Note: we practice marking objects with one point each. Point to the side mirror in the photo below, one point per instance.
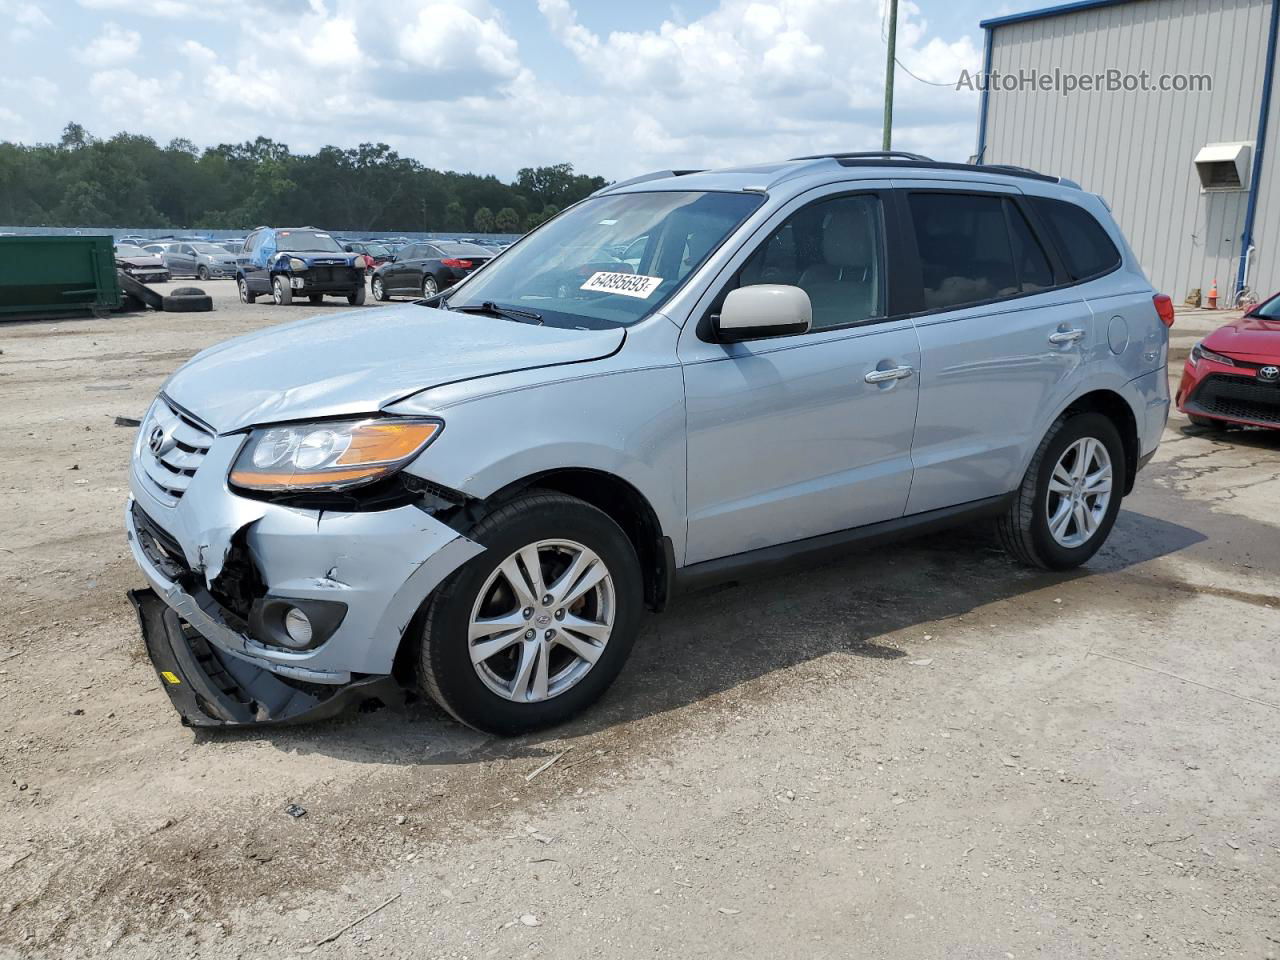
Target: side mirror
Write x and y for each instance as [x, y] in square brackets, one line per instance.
[763, 310]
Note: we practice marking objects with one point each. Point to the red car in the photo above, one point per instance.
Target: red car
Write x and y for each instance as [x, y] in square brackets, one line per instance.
[1233, 375]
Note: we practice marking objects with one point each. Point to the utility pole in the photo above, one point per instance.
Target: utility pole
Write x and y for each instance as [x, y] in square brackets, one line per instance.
[888, 76]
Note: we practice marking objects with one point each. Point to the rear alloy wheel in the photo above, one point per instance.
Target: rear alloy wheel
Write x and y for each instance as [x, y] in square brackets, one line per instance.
[1069, 498]
[246, 295]
[429, 287]
[281, 292]
[536, 627]
[379, 291]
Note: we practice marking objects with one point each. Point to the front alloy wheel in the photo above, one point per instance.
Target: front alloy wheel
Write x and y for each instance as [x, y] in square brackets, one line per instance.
[1079, 492]
[379, 291]
[245, 296]
[534, 629]
[542, 620]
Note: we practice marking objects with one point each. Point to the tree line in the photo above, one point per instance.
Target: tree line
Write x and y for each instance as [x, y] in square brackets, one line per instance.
[129, 180]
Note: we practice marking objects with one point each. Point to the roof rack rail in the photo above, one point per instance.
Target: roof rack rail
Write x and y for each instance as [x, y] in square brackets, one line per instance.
[643, 178]
[868, 155]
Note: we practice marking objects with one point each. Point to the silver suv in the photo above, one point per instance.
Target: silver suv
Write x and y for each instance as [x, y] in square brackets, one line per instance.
[682, 378]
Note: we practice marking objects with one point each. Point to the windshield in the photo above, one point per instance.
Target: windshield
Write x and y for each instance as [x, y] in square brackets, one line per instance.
[299, 241]
[463, 249]
[376, 250]
[566, 271]
[1268, 309]
[128, 250]
[208, 248]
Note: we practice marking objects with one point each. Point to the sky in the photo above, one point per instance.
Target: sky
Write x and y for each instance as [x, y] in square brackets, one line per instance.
[489, 86]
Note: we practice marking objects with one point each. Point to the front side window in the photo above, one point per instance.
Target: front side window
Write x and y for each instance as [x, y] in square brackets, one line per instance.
[569, 272]
[1085, 248]
[833, 251]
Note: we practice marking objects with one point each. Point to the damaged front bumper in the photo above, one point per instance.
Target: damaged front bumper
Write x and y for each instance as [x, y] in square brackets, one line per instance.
[210, 688]
[215, 560]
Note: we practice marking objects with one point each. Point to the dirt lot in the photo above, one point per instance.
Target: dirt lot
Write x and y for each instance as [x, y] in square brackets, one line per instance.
[921, 752]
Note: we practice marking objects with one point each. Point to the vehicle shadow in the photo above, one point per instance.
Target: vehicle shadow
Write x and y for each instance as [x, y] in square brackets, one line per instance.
[712, 641]
[1256, 438]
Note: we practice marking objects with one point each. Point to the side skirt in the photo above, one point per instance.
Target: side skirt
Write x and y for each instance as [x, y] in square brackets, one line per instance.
[787, 556]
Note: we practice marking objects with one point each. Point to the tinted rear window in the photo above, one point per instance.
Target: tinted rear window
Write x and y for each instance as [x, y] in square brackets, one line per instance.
[965, 254]
[464, 250]
[1085, 248]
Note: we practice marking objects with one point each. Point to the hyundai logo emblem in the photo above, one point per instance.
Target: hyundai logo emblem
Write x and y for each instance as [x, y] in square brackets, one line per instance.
[1270, 374]
[543, 620]
[156, 442]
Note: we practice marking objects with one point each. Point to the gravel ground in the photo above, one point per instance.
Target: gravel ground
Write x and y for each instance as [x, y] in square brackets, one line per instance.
[923, 751]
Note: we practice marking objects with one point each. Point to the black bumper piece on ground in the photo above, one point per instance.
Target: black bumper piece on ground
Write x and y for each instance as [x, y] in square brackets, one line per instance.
[212, 689]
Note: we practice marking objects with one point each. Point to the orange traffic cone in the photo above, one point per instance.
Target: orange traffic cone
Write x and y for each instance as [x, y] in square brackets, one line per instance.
[1213, 295]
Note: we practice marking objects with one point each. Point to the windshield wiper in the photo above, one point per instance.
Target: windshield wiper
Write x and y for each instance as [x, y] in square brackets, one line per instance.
[495, 310]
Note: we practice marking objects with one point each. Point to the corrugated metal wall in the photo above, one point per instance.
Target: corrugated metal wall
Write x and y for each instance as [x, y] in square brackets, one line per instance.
[1136, 149]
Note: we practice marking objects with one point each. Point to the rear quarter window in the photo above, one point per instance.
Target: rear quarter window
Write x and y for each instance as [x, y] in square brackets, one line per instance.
[1083, 244]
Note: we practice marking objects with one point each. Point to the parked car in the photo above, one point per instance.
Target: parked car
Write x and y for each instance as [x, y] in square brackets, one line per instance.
[298, 261]
[142, 266]
[233, 245]
[424, 269]
[201, 259]
[1232, 376]
[377, 253]
[480, 494]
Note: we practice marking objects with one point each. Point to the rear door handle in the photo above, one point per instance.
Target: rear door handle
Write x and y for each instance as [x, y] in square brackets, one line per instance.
[893, 373]
[1065, 336]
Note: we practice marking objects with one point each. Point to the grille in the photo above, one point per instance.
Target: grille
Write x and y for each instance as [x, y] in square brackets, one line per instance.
[332, 275]
[1239, 398]
[183, 442]
[164, 552]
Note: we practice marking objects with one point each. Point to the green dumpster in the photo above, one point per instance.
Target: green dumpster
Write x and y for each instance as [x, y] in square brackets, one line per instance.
[46, 276]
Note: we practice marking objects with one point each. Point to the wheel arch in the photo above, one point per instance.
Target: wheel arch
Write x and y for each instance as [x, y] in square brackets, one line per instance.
[625, 505]
[1117, 409]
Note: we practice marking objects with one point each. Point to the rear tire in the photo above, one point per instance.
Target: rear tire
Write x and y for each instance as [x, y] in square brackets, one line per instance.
[429, 287]
[1025, 530]
[504, 692]
[281, 292]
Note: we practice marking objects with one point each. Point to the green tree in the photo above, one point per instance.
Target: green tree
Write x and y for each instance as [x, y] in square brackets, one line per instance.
[483, 220]
[455, 216]
[507, 221]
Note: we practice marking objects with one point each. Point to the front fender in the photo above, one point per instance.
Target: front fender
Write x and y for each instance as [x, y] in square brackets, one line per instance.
[629, 423]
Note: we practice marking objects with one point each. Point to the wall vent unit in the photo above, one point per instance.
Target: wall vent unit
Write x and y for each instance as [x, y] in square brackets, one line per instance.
[1224, 166]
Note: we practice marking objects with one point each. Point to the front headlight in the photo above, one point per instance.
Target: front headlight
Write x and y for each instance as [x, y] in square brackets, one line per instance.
[296, 265]
[330, 456]
[1198, 353]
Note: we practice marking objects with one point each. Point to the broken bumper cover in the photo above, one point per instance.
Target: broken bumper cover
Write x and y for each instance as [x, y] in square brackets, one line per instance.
[210, 688]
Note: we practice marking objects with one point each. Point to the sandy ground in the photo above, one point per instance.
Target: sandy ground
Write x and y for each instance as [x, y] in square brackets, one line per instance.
[920, 752]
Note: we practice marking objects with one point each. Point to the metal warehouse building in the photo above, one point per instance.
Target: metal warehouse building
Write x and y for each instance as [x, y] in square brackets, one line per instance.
[1184, 170]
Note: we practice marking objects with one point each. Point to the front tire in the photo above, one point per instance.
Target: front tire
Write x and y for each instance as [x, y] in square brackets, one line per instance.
[534, 629]
[281, 292]
[356, 296]
[246, 295]
[202, 272]
[379, 290]
[1069, 498]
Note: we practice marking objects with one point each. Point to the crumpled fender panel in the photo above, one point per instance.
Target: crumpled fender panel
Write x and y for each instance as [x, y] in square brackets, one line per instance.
[211, 689]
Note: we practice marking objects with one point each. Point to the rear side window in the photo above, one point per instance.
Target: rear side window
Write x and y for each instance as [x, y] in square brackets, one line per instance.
[1085, 248]
[1034, 270]
[965, 253]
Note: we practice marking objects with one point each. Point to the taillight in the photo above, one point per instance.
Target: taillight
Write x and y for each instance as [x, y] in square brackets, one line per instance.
[1164, 307]
[454, 262]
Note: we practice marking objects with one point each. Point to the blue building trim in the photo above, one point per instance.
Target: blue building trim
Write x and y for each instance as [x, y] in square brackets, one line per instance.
[986, 92]
[1053, 11]
[1259, 145]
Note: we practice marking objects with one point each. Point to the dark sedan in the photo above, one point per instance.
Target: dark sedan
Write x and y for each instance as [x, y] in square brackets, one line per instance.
[424, 269]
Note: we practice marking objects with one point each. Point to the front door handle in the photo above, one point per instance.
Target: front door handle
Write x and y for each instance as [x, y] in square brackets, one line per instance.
[893, 373]
[1065, 336]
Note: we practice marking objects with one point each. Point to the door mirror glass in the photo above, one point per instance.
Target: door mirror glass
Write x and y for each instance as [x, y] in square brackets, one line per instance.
[764, 310]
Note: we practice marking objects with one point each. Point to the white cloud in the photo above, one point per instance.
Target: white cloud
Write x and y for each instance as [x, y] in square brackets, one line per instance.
[152, 8]
[114, 45]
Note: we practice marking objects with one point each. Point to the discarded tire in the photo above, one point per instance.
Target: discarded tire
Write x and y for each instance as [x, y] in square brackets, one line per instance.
[186, 292]
[188, 303]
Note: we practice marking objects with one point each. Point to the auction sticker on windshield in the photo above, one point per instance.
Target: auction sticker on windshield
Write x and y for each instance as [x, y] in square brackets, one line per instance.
[628, 284]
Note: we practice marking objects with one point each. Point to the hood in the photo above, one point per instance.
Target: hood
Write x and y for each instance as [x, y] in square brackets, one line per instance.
[321, 259]
[360, 361]
[1247, 337]
[150, 260]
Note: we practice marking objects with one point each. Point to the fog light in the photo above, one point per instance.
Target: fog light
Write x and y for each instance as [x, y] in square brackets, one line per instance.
[297, 282]
[298, 626]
